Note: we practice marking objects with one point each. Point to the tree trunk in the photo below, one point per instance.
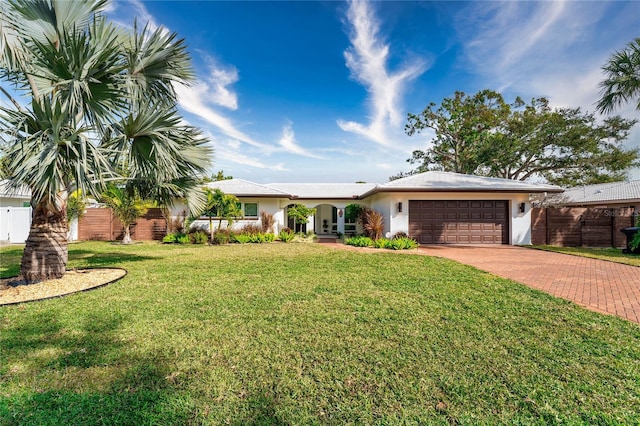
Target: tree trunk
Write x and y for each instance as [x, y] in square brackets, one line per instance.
[46, 252]
[127, 235]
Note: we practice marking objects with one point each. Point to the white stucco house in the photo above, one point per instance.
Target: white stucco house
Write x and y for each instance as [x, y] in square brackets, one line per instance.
[432, 207]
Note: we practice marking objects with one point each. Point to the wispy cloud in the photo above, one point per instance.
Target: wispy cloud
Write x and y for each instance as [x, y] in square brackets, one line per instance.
[134, 8]
[367, 59]
[218, 80]
[289, 144]
[227, 152]
[196, 99]
[535, 48]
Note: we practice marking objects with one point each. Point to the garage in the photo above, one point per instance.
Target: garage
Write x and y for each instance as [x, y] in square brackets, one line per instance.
[459, 221]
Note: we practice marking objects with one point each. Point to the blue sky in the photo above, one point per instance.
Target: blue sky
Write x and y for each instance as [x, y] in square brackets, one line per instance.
[319, 91]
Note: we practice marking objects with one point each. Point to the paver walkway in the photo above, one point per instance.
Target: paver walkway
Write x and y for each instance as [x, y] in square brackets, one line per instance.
[599, 285]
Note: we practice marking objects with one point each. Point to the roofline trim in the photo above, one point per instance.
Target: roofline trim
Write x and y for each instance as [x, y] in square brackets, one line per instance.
[510, 191]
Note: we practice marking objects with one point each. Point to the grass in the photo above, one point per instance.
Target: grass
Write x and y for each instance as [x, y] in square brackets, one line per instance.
[303, 334]
[610, 254]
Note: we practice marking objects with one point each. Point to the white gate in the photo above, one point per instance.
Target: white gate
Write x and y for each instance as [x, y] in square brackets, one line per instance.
[14, 224]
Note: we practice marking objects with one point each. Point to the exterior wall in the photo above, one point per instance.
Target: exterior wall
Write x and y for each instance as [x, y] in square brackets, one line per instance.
[268, 205]
[14, 201]
[395, 221]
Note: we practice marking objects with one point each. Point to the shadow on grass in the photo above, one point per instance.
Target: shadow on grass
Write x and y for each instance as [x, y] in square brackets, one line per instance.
[83, 373]
[93, 258]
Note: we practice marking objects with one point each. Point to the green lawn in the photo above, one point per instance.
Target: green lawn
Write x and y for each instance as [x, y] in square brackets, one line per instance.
[611, 254]
[303, 334]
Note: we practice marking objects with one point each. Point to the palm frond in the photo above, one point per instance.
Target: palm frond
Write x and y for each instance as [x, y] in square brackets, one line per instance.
[622, 83]
[46, 154]
[154, 143]
[155, 61]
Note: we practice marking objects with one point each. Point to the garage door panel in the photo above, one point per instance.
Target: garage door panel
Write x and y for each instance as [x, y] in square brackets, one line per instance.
[459, 221]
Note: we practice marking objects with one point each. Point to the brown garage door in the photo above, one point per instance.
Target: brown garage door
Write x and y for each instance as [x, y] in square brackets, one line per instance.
[459, 221]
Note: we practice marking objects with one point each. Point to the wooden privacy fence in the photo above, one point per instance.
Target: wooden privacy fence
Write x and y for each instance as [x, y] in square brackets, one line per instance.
[580, 226]
[101, 224]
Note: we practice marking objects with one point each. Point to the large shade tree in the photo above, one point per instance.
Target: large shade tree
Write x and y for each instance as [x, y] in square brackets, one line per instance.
[622, 82]
[101, 101]
[483, 134]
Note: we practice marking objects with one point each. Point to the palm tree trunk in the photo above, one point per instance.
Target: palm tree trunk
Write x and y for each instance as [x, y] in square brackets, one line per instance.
[46, 252]
[127, 235]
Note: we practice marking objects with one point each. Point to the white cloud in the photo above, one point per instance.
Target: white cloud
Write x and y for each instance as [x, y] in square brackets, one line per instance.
[194, 99]
[218, 79]
[289, 144]
[227, 153]
[535, 48]
[367, 59]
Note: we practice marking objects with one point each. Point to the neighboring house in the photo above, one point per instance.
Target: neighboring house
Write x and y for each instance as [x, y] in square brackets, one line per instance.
[608, 195]
[15, 213]
[432, 207]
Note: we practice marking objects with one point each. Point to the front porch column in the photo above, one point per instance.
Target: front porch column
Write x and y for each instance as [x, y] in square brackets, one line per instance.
[341, 219]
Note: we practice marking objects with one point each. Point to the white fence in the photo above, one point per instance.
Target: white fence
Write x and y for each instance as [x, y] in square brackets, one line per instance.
[14, 224]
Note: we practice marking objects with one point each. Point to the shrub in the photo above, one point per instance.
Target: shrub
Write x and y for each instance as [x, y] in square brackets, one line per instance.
[200, 237]
[243, 238]
[176, 224]
[403, 243]
[381, 243]
[359, 241]
[400, 234]
[222, 236]
[250, 229]
[183, 239]
[270, 237]
[170, 238]
[267, 221]
[286, 235]
[257, 238]
[372, 223]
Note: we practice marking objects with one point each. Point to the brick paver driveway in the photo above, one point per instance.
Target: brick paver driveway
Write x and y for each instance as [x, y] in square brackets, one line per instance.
[602, 286]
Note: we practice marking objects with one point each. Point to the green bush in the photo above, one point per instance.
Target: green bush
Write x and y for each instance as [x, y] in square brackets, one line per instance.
[243, 238]
[269, 237]
[183, 239]
[359, 241]
[170, 238]
[200, 237]
[286, 236]
[402, 243]
[223, 236]
[257, 238]
[382, 243]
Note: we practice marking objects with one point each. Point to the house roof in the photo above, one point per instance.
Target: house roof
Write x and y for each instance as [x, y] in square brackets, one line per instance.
[435, 181]
[245, 188]
[323, 190]
[603, 193]
[423, 182]
[8, 191]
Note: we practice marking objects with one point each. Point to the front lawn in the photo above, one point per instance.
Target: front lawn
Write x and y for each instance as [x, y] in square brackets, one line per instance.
[610, 254]
[304, 334]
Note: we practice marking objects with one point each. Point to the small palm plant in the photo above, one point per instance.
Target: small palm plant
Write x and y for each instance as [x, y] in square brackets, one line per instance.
[126, 205]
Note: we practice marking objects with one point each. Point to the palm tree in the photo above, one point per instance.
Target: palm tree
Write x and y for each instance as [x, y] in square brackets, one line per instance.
[102, 101]
[126, 205]
[622, 84]
[222, 206]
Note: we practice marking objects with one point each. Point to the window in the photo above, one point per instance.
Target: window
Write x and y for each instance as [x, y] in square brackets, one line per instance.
[251, 209]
